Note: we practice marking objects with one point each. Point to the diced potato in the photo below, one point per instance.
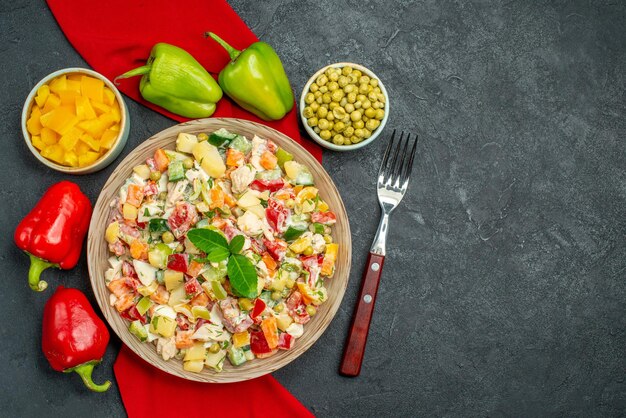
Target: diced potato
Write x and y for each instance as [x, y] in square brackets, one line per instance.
[177, 296]
[69, 140]
[142, 171]
[38, 143]
[292, 169]
[42, 95]
[258, 210]
[108, 138]
[92, 88]
[210, 159]
[185, 142]
[129, 212]
[54, 153]
[109, 97]
[166, 326]
[112, 232]
[248, 200]
[70, 158]
[194, 366]
[197, 352]
[60, 120]
[87, 158]
[89, 140]
[283, 321]
[84, 109]
[52, 103]
[173, 279]
[58, 84]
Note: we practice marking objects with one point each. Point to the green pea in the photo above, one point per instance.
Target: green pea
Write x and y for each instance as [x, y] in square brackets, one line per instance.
[276, 296]
[370, 112]
[155, 175]
[351, 97]
[322, 80]
[167, 237]
[355, 139]
[338, 139]
[337, 95]
[162, 195]
[214, 348]
[179, 248]
[349, 108]
[357, 73]
[348, 132]
[358, 104]
[308, 251]
[381, 97]
[328, 239]
[363, 88]
[359, 124]
[372, 96]
[322, 112]
[353, 78]
[333, 105]
[359, 133]
[355, 116]
[312, 121]
[202, 137]
[290, 283]
[311, 310]
[316, 129]
[343, 102]
[323, 89]
[339, 112]
[374, 82]
[364, 79]
[323, 124]
[332, 86]
[343, 81]
[380, 114]
[317, 94]
[366, 133]
[315, 106]
[309, 98]
[346, 70]
[326, 98]
[334, 76]
[330, 116]
[188, 163]
[325, 135]
[279, 308]
[339, 127]
[307, 112]
[376, 90]
[314, 87]
[371, 124]
[349, 88]
[366, 104]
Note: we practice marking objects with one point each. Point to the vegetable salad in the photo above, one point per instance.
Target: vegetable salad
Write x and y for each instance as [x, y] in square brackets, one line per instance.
[220, 250]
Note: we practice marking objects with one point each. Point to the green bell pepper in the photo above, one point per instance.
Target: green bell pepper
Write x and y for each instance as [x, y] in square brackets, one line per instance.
[174, 80]
[255, 79]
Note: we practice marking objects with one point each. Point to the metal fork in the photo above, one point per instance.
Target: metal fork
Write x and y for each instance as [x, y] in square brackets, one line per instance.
[393, 181]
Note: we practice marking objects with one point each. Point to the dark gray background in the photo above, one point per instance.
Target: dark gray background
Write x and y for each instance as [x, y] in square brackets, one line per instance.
[503, 291]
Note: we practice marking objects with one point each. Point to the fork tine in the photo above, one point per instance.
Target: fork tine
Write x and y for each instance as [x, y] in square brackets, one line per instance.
[391, 171]
[381, 172]
[402, 163]
[406, 171]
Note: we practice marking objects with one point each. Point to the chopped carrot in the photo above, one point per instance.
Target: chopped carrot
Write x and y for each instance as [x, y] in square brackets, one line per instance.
[282, 194]
[266, 355]
[134, 196]
[297, 189]
[194, 268]
[229, 200]
[183, 339]
[161, 296]
[201, 299]
[219, 223]
[124, 302]
[270, 263]
[217, 198]
[268, 160]
[139, 250]
[161, 159]
[233, 157]
[304, 290]
[119, 287]
[270, 330]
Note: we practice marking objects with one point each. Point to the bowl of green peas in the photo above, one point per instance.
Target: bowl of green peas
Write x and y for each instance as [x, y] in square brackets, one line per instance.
[344, 106]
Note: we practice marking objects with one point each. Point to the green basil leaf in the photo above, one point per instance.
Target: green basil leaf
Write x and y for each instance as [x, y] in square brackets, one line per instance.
[207, 240]
[158, 225]
[242, 276]
[217, 255]
[236, 244]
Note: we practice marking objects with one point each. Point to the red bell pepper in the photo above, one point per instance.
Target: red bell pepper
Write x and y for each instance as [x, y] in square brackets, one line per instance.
[74, 338]
[271, 185]
[259, 307]
[276, 214]
[178, 262]
[286, 341]
[258, 343]
[52, 233]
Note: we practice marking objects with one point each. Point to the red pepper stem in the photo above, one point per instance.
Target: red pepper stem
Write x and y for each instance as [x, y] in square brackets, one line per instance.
[84, 371]
[37, 265]
[145, 69]
[234, 53]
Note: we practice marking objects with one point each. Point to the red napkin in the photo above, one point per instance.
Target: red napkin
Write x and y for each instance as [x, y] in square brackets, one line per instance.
[115, 36]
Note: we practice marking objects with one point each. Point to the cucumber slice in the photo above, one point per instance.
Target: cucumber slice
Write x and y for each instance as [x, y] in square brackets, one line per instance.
[221, 137]
[138, 330]
[269, 175]
[304, 177]
[176, 171]
[241, 144]
[143, 305]
[215, 360]
[283, 156]
[236, 356]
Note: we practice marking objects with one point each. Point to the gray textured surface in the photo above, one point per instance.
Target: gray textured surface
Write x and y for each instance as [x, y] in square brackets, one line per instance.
[503, 293]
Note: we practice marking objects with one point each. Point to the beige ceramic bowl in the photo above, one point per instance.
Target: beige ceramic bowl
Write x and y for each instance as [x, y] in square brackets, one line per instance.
[101, 162]
[98, 251]
[329, 144]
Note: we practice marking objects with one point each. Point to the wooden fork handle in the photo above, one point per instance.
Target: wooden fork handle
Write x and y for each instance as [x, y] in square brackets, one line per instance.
[357, 337]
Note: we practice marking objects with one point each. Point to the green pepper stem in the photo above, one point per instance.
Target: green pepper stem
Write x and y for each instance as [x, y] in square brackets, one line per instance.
[84, 371]
[145, 69]
[37, 265]
[234, 53]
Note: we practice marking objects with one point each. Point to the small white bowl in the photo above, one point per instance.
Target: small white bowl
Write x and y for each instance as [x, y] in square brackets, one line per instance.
[104, 160]
[329, 144]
